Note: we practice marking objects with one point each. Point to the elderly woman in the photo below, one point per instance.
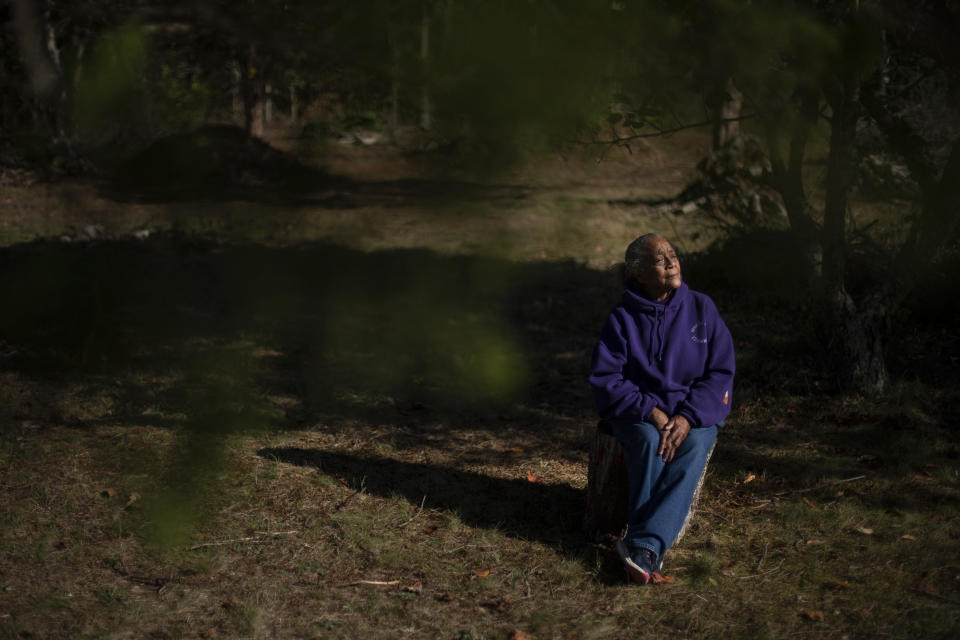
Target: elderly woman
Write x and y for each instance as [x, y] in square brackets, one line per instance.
[662, 375]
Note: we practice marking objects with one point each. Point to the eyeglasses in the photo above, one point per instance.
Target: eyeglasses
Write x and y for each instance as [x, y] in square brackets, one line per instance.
[662, 262]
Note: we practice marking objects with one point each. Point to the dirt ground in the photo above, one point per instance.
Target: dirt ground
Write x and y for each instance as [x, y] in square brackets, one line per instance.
[360, 410]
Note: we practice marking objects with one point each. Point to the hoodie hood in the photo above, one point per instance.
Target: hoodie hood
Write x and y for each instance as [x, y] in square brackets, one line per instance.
[659, 311]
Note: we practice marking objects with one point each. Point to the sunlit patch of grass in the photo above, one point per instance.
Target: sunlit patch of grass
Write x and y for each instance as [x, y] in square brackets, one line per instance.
[566, 572]
[355, 522]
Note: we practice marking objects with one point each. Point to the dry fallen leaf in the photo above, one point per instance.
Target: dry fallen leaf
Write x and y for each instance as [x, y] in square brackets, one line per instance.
[416, 587]
[750, 478]
[443, 597]
[907, 536]
[867, 531]
[658, 578]
[814, 541]
[500, 605]
[842, 584]
[133, 498]
[520, 635]
[533, 478]
[109, 492]
[809, 503]
[481, 573]
[813, 614]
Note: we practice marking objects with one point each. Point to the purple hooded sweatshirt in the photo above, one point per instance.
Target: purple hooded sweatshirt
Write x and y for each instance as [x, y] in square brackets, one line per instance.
[676, 355]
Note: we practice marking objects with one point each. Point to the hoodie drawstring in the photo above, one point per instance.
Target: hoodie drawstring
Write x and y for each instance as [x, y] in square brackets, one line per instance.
[657, 331]
[661, 330]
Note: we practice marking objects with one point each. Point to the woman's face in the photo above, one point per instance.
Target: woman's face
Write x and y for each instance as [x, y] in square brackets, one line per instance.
[660, 272]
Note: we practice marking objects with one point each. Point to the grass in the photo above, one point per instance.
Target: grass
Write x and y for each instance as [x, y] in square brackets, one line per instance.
[228, 439]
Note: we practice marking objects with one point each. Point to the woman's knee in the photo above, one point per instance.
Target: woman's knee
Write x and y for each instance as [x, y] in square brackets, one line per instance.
[699, 442]
[638, 437]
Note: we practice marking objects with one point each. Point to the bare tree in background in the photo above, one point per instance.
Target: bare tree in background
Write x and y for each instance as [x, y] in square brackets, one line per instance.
[41, 60]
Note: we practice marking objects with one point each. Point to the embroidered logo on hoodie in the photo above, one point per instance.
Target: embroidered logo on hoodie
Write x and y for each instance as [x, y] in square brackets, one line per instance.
[698, 332]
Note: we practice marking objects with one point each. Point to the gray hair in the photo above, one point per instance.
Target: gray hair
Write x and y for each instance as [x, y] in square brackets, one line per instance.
[636, 252]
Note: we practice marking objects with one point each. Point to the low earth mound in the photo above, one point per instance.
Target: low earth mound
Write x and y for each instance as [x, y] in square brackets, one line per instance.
[214, 160]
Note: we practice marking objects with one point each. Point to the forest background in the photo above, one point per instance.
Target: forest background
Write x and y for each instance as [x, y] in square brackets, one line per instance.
[299, 299]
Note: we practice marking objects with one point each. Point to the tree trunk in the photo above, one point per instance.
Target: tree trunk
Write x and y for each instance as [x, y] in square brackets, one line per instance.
[787, 179]
[41, 59]
[394, 117]
[855, 333]
[855, 343]
[73, 76]
[605, 519]
[293, 102]
[268, 104]
[726, 104]
[426, 109]
[237, 90]
[252, 90]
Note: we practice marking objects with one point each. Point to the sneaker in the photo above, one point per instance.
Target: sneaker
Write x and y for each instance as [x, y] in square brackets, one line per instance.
[641, 565]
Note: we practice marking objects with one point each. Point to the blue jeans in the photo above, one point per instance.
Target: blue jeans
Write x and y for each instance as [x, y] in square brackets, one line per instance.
[661, 493]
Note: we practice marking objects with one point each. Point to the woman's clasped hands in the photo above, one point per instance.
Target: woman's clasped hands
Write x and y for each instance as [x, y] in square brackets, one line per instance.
[673, 431]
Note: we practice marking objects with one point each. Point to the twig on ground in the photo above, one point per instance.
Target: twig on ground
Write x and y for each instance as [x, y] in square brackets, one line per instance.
[375, 583]
[662, 132]
[262, 537]
[822, 486]
[760, 574]
[763, 557]
[417, 513]
[470, 546]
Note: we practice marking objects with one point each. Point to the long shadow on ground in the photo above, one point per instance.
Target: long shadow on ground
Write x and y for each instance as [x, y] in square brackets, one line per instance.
[550, 514]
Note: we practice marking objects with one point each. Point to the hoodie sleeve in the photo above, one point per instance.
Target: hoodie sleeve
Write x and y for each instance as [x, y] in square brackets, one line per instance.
[616, 397]
[708, 401]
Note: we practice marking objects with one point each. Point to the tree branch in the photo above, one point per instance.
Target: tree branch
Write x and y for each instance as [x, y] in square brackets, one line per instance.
[662, 132]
